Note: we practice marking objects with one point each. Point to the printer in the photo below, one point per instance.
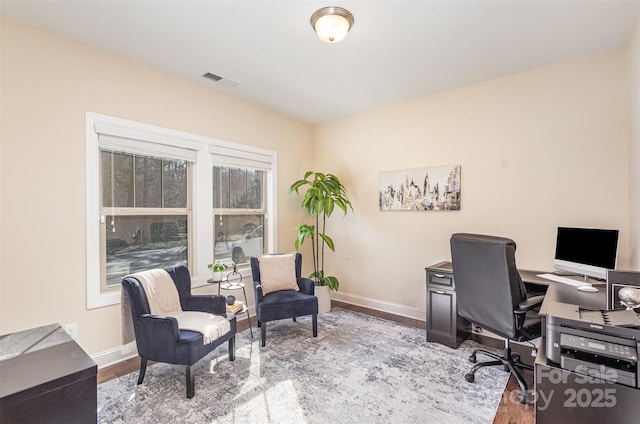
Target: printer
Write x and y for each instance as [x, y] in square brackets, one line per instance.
[596, 343]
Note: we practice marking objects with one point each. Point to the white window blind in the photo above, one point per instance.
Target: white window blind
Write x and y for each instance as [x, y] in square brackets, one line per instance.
[242, 159]
[125, 140]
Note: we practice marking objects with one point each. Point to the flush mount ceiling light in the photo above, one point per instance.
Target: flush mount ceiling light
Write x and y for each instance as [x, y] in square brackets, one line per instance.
[332, 23]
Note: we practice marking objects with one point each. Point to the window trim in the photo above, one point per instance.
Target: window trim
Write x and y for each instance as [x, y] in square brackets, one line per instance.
[202, 230]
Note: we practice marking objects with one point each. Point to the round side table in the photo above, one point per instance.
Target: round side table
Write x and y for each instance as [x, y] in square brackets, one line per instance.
[235, 284]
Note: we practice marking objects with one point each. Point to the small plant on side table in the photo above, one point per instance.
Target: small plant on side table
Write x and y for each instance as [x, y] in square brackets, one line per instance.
[218, 268]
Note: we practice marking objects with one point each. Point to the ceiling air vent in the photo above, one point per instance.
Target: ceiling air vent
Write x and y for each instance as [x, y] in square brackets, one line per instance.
[225, 82]
[211, 76]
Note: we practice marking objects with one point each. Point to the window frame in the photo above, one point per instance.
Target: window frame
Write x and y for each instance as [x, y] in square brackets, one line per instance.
[208, 152]
[141, 211]
[228, 211]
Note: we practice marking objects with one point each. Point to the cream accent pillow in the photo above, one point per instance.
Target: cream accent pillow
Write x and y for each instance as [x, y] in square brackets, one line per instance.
[278, 272]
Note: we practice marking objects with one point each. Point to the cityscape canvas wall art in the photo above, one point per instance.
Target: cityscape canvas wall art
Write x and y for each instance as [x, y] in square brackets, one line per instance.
[425, 189]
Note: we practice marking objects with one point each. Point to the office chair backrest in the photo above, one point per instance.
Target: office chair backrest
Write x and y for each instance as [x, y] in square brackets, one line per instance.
[488, 285]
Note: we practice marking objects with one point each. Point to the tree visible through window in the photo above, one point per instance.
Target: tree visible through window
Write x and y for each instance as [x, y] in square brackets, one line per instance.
[239, 214]
[146, 208]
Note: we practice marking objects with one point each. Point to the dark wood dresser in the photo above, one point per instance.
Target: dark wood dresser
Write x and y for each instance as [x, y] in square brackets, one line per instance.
[46, 377]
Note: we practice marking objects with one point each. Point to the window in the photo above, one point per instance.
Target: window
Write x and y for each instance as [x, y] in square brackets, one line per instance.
[153, 202]
[146, 204]
[239, 213]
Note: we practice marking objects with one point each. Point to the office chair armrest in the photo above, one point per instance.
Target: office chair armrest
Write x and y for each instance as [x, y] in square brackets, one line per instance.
[529, 304]
[207, 303]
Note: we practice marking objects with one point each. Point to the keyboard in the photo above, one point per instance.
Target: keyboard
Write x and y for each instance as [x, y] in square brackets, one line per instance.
[564, 280]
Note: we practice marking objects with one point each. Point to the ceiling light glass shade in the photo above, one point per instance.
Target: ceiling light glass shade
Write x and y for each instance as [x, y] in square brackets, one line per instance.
[332, 23]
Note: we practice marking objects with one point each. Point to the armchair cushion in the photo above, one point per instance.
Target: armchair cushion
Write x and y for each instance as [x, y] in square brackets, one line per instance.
[287, 304]
[278, 272]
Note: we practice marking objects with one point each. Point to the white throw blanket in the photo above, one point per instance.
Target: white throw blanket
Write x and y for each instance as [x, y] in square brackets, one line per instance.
[161, 291]
[211, 326]
[163, 299]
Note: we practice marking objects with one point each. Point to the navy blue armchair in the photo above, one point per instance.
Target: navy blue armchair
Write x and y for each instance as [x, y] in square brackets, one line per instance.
[159, 339]
[283, 304]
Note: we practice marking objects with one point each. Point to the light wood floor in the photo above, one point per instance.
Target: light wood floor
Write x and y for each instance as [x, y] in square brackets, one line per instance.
[509, 411]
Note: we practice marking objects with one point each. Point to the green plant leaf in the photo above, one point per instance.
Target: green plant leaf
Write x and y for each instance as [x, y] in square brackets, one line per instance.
[328, 206]
[304, 231]
[332, 282]
[317, 276]
[327, 240]
[295, 186]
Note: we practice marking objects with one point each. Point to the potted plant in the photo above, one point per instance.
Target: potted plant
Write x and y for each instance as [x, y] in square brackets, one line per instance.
[323, 193]
[218, 268]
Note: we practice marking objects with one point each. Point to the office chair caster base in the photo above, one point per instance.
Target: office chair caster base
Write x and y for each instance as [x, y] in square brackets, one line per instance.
[470, 378]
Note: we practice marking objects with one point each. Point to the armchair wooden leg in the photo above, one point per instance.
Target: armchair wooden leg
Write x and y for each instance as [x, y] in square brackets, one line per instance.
[143, 370]
[191, 383]
[314, 323]
[263, 333]
[232, 348]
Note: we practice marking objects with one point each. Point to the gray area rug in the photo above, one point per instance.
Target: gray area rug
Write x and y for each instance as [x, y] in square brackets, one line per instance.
[360, 369]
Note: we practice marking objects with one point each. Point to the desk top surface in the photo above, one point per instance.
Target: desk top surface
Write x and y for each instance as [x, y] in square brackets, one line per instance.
[564, 293]
[444, 266]
[555, 292]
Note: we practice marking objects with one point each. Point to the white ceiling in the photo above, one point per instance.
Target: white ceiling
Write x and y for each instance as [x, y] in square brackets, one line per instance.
[396, 50]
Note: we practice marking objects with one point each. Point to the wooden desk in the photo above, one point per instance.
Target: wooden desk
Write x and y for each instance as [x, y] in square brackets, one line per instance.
[565, 293]
[46, 377]
[561, 396]
[443, 324]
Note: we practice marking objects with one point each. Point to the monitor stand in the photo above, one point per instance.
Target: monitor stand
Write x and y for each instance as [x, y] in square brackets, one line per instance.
[587, 279]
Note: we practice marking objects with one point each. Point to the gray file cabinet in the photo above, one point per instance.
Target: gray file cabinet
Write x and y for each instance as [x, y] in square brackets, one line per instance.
[443, 323]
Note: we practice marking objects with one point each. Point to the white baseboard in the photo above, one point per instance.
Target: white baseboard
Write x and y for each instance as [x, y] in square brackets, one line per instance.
[393, 308]
[111, 357]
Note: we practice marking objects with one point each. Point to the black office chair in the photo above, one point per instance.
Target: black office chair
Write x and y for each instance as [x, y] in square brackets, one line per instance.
[491, 294]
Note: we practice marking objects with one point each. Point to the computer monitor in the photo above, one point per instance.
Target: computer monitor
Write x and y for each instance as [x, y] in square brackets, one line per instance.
[586, 251]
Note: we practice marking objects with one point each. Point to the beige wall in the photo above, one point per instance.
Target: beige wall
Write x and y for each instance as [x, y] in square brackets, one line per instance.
[634, 150]
[538, 149]
[48, 84]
